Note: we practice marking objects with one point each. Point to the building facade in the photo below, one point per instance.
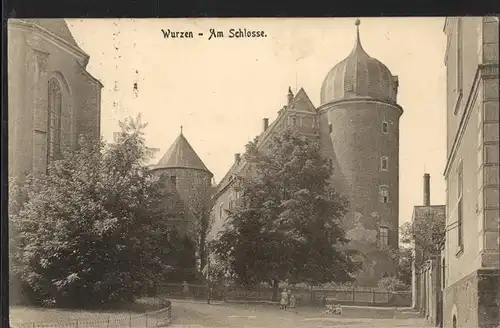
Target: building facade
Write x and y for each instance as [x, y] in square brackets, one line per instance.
[357, 124]
[471, 254]
[52, 98]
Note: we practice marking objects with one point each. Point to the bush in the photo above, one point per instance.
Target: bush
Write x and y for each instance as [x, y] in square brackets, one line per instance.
[392, 284]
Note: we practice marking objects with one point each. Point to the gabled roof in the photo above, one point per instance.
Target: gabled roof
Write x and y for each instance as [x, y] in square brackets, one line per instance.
[181, 155]
[58, 27]
[301, 102]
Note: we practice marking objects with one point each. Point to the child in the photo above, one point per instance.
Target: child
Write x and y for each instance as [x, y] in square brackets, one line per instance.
[284, 299]
[292, 302]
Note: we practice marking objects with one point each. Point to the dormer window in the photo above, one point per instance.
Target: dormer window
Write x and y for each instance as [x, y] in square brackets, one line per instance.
[384, 163]
[385, 127]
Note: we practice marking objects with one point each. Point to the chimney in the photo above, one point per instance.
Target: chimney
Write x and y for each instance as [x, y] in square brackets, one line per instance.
[265, 125]
[237, 158]
[427, 189]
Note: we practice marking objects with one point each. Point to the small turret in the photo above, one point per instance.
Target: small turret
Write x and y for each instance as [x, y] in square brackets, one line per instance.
[290, 95]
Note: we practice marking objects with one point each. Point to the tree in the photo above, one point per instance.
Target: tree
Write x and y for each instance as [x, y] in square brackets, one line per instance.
[97, 225]
[202, 226]
[287, 222]
[425, 236]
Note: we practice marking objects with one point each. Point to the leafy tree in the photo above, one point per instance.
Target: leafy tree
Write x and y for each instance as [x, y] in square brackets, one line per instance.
[96, 228]
[425, 235]
[287, 222]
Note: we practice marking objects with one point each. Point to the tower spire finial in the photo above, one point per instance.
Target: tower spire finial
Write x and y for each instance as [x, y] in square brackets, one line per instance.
[181, 129]
[357, 46]
[357, 23]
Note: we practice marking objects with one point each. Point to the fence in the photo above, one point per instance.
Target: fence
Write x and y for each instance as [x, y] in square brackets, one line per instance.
[311, 296]
[159, 317]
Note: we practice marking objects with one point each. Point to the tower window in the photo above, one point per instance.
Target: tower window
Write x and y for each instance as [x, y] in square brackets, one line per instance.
[330, 128]
[173, 178]
[383, 236]
[385, 127]
[384, 194]
[294, 121]
[384, 163]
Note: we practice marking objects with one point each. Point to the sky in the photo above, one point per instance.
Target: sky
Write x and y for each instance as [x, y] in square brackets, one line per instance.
[219, 90]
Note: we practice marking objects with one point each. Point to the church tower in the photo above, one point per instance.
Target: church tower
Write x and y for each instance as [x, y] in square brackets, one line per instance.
[187, 175]
[359, 131]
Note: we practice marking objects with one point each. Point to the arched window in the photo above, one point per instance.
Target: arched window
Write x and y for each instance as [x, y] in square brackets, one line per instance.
[54, 121]
[384, 163]
[384, 194]
[294, 121]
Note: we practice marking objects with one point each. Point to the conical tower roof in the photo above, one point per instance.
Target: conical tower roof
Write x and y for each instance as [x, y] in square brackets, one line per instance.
[181, 155]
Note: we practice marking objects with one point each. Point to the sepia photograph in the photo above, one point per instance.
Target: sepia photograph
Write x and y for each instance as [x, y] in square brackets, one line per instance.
[254, 172]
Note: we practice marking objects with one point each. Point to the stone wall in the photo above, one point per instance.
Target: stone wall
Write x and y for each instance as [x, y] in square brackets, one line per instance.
[473, 301]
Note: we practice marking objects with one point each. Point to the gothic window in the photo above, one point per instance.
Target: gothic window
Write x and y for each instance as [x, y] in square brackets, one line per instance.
[460, 206]
[384, 194]
[384, 163]
[294, 121]
[385, 127]
[383, 236]
[230, 200]
[54, 121]
[173, 178]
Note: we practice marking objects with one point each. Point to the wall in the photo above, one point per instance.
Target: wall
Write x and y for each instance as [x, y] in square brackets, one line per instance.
[192, 185]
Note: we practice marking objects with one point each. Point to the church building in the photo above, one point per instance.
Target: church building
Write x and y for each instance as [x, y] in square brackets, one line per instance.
[52, 97]
[357, 124]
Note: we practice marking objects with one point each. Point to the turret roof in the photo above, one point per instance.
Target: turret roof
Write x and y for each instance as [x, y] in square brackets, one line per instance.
[181, 155]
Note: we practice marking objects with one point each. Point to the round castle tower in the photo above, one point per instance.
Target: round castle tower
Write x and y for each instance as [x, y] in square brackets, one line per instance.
[187, 175]
[359, 125]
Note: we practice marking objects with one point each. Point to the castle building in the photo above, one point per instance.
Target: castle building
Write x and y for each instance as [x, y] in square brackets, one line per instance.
[186, 174]
[357, 124]
[52, 98]
[471, 286]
